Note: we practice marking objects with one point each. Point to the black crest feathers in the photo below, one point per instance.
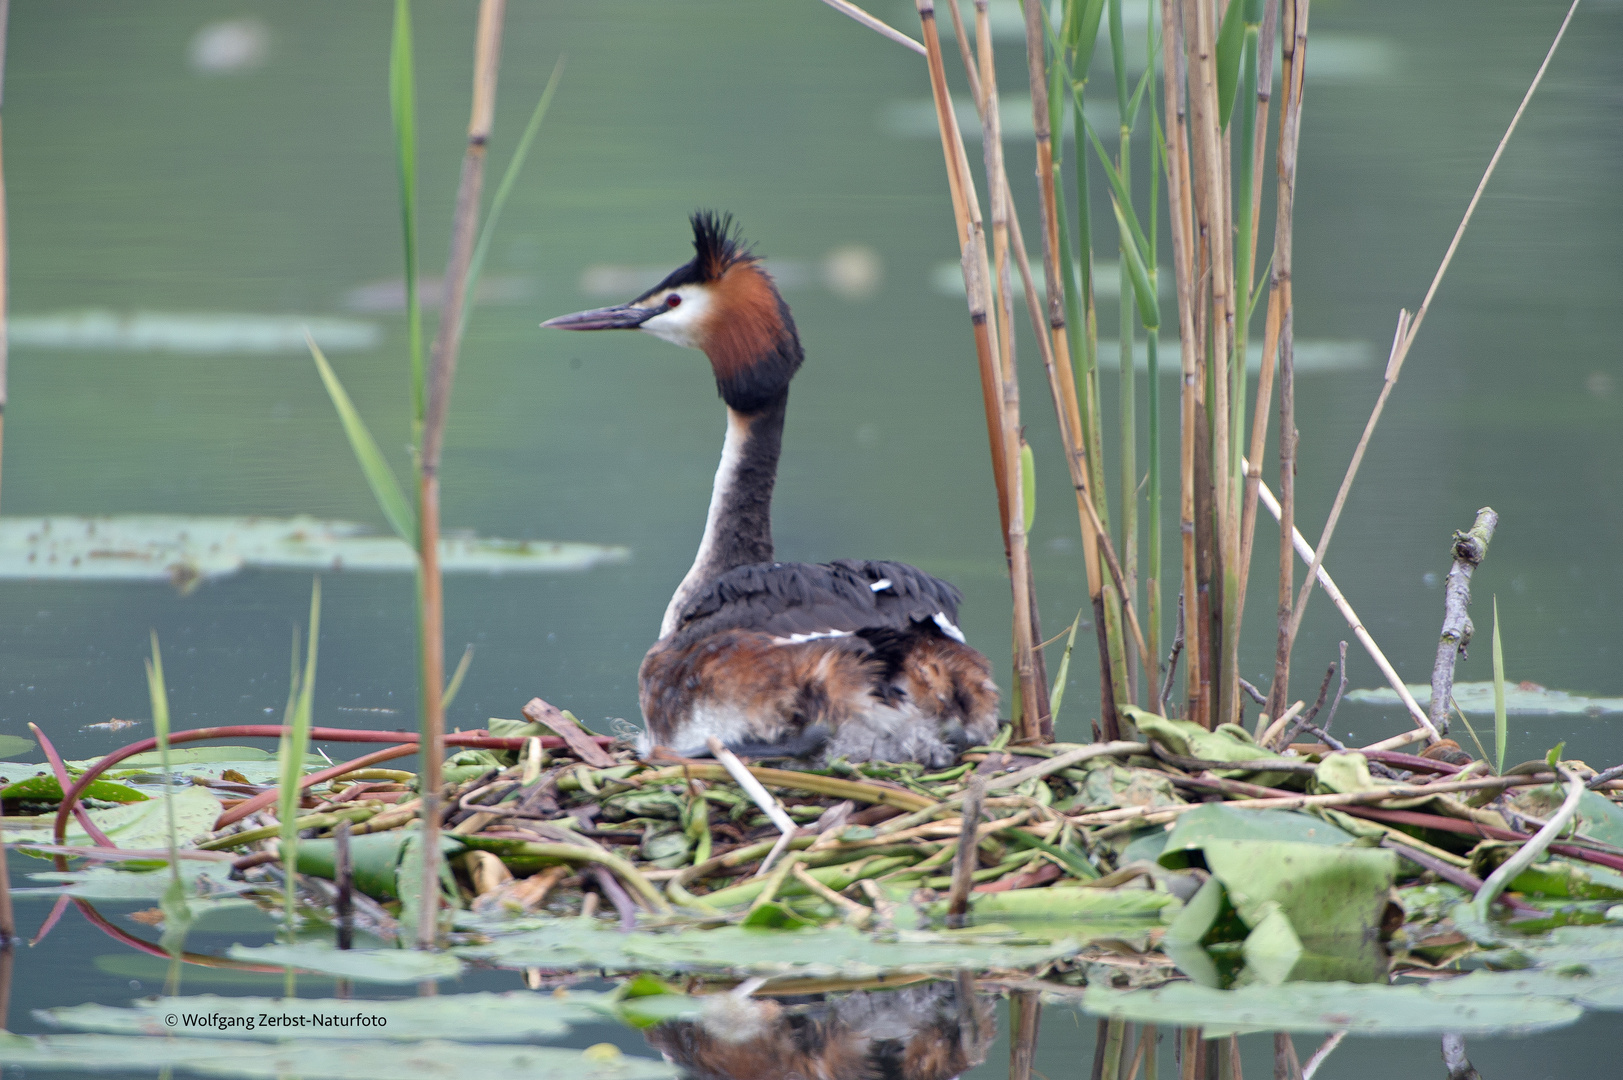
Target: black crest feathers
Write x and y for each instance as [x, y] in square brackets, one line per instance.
[716, 244]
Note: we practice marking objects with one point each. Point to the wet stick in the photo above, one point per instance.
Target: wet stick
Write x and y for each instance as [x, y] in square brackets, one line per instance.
[442, 370]
[344, 905]
[1025, 1007]
[1409, 327]
[964, 858]
[1470, 548]
[1334, 593]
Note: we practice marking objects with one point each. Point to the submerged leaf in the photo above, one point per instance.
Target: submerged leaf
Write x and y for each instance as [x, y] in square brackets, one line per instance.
[363, 965]
[185, 549]
[837, 952]
[1331, 1006]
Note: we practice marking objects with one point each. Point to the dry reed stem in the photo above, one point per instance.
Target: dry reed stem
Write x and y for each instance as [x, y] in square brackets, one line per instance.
[442, 370]
[1148, 815]
[1037, 719]
[1280, 336]
[845, 7]
[1180, 224]
[1408, 328]
[1340, 601]
[1002, 402]
[964, 858]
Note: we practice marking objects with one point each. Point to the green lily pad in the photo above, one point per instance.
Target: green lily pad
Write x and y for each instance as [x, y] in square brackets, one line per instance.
[362, 965]
[44, 788]
[1219, 821]
[319, 1059]
[1528, 699]
[108, 883]
[839, 952]
[15, 744]
[1229, 742]
[1332, 1006]
[140, 825]
[1093, 905]
[185, 549]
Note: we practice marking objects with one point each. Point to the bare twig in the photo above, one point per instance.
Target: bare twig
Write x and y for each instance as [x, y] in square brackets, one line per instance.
[1321, 1053]
[1530, 851]
[1470, 548]
[963, 859]
[1408, 328]
[344, 904]
[1363, 635]
[1172, 660]
[845, 7]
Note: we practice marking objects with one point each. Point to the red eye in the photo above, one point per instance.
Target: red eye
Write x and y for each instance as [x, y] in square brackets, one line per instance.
[672, 300]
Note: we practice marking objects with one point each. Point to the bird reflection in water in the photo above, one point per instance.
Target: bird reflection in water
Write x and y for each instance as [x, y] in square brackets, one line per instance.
[927, 1031]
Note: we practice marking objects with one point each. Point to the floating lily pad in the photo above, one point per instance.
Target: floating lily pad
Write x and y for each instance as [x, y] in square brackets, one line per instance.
[44, 788]
[316, 1059]
[198, 334]
[839, 952]
[363, 965]
[1527, 699]
[107, 883]
[12, 745]
[1216, 821]
[1331, 1006]
[139, 826]
[186, 549]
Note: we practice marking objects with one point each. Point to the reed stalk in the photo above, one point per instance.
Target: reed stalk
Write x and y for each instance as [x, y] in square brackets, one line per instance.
[1000, 394]
[442, 370]
[1127, 384]
[1180, 222]
[1066, 329]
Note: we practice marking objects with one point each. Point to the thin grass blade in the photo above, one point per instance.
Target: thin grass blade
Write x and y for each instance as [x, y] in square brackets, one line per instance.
[1500, 730]
[379, 477]
[505, 188]
[291, 754]
[455, 682]
[1056, 693]
[403, 112]
[1229, 38]
[1028, 483]
[159, 695]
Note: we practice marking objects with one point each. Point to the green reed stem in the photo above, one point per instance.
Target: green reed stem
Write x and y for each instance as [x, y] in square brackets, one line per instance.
[403, 112]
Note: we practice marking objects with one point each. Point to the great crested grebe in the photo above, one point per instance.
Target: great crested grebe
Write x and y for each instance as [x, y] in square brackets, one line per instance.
[854, 659]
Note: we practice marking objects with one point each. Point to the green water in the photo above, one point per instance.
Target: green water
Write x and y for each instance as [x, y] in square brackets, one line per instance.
[137, 183]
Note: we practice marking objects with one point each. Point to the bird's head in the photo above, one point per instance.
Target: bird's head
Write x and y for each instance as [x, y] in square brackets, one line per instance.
[722, 302]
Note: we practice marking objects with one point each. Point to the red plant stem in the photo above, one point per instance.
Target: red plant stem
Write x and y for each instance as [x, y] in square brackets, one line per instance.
[70, 796]
[266, 798]
[1410, 761]
[61, 772]
[1487, 832]
[200, 959]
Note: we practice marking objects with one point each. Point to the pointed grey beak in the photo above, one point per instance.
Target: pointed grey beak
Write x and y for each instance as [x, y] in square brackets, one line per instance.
[619, 317]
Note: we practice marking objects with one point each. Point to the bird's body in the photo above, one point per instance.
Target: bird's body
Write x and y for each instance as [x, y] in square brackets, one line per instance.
[853, 659]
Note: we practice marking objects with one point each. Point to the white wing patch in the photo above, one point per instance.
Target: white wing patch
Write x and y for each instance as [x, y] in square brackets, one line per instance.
[881, 585]
[798, 639]
[948, 628]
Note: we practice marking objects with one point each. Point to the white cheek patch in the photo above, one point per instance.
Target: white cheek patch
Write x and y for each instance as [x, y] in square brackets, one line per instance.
[948, 628]
[680, 325]
[881, 585]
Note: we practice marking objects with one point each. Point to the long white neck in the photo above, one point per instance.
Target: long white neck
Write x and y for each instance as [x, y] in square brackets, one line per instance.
[738, 527]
